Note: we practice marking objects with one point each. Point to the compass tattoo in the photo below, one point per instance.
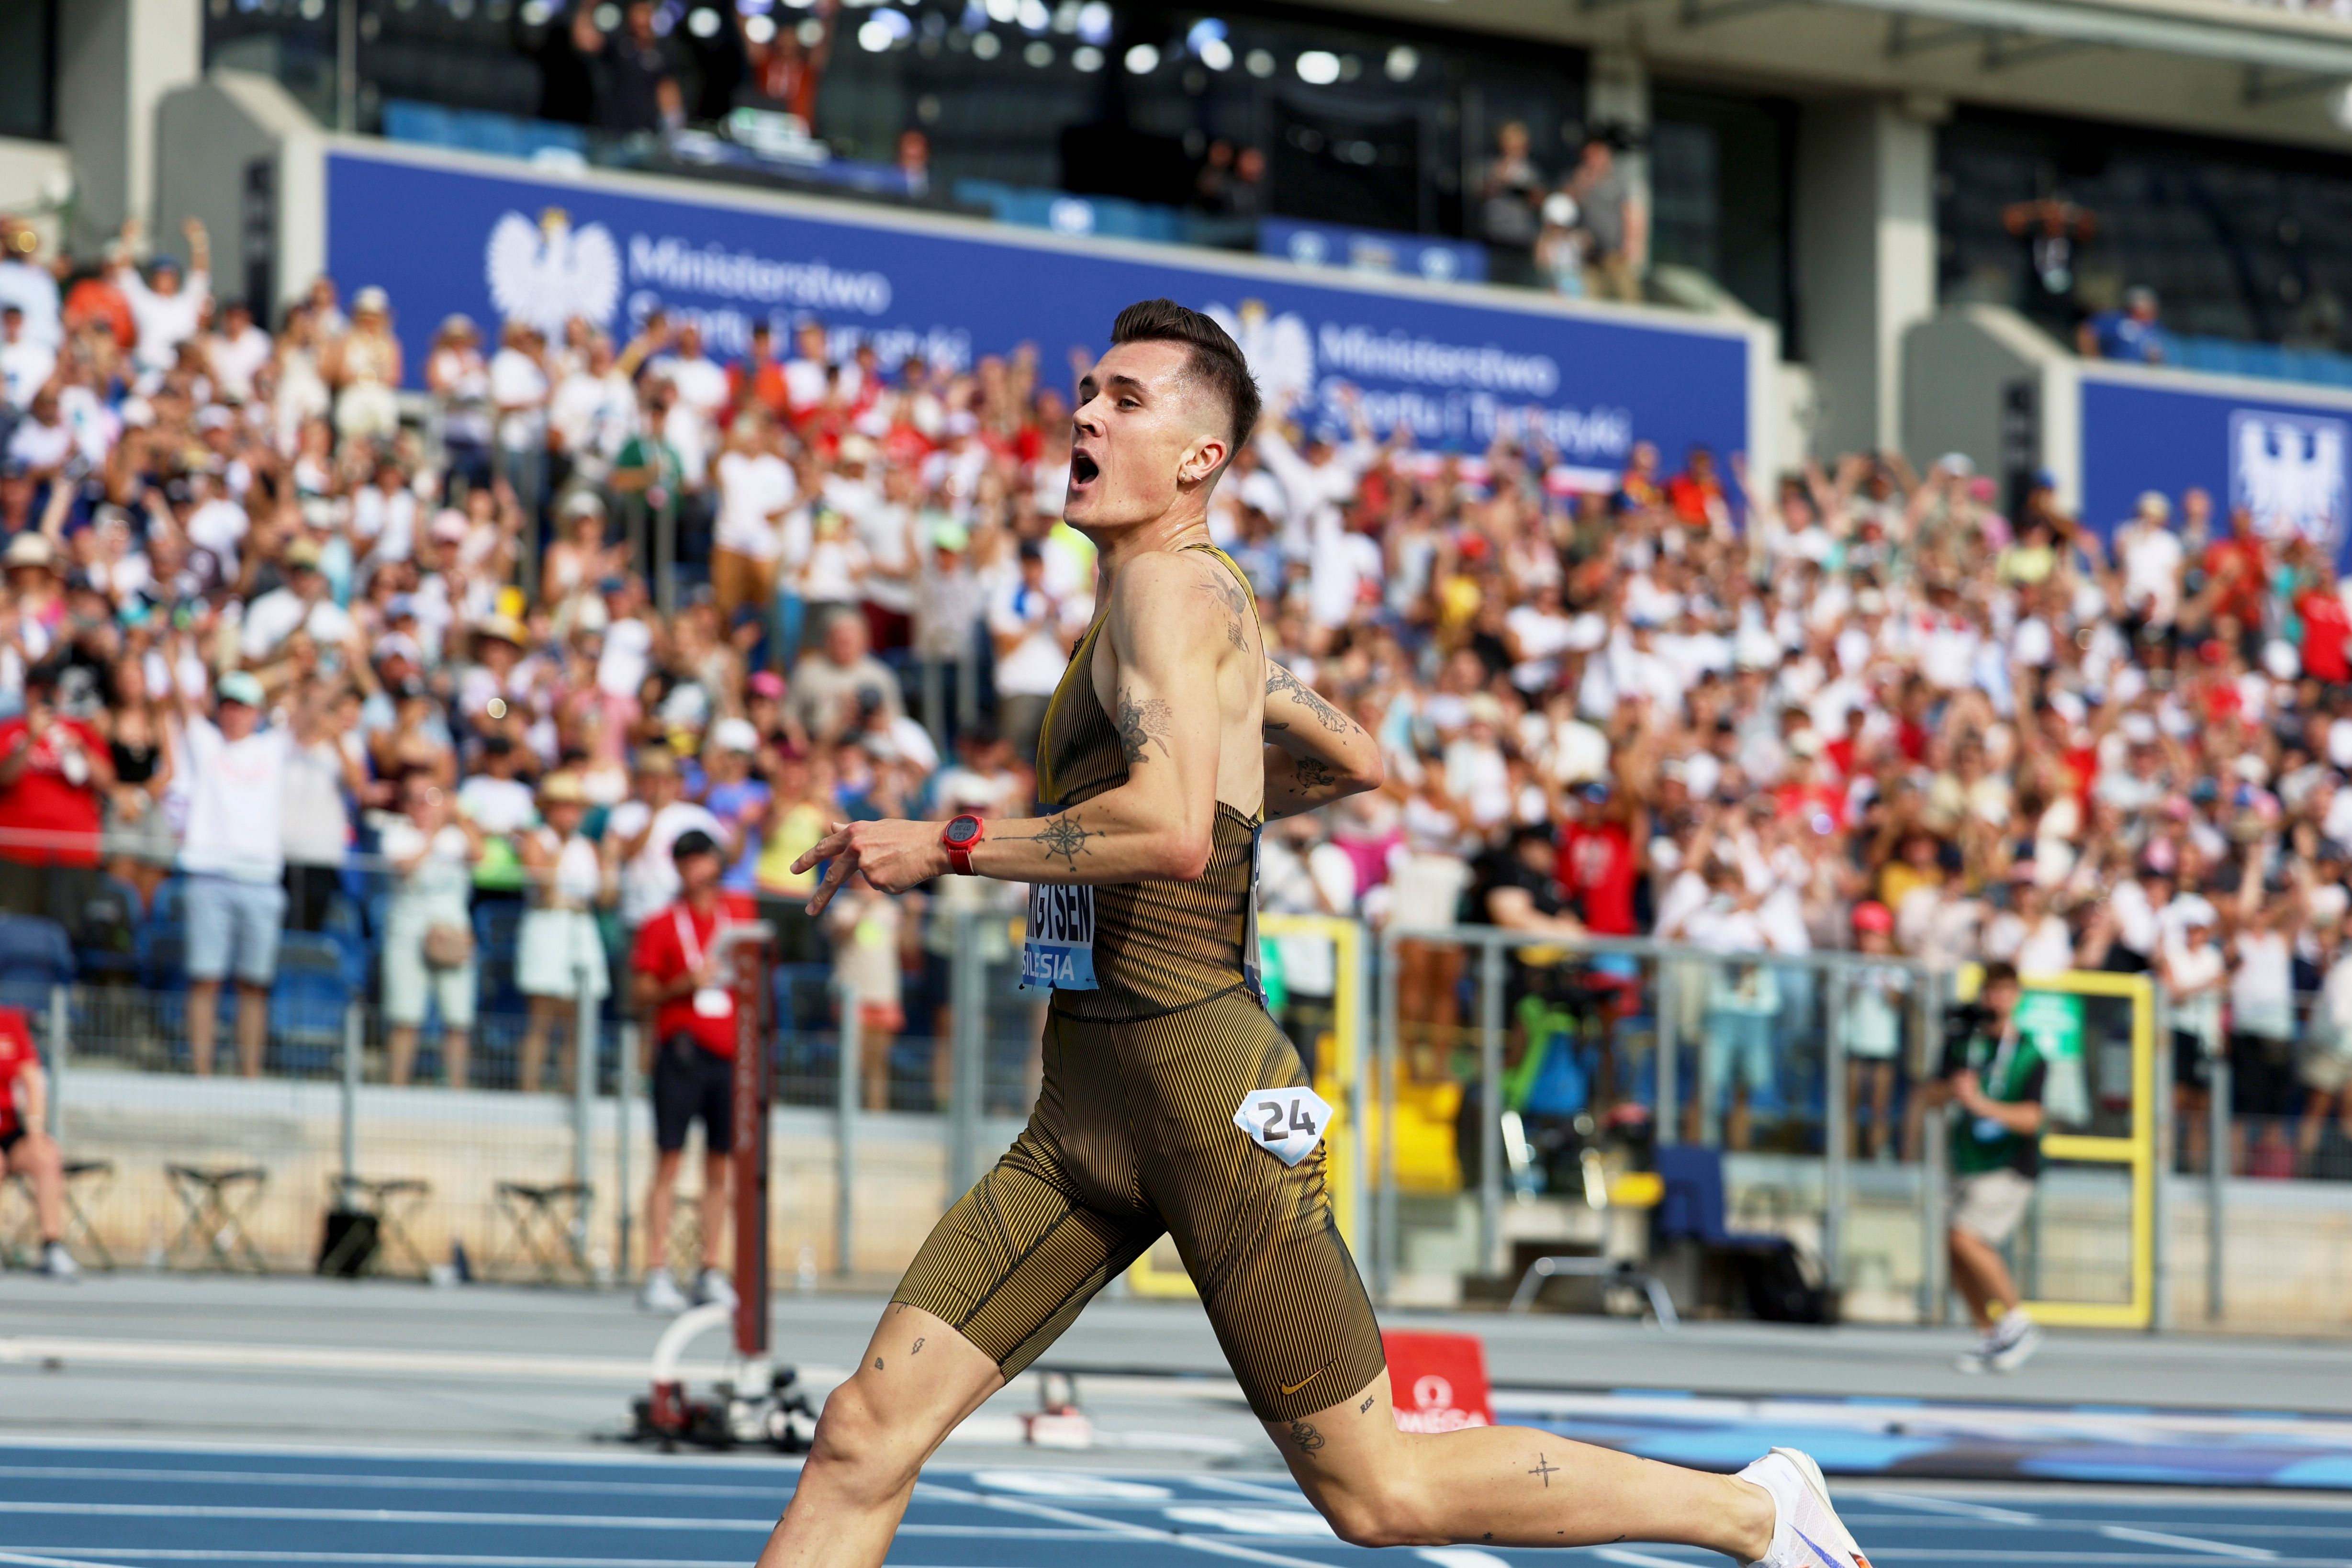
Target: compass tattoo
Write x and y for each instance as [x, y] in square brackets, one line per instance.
[1063, 838]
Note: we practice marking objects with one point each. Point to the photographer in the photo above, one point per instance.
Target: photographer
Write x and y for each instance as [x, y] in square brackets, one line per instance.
[1993, 1078]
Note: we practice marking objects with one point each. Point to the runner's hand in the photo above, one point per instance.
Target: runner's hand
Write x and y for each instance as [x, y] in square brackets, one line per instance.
[895, 855]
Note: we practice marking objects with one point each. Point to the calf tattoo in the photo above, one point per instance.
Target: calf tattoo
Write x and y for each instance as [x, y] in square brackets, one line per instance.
[1545, 1469]
[1303, 1432]
[917, 1350]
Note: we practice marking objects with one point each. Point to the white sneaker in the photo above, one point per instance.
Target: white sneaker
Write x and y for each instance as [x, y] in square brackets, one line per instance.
[1978, 1358]
[714, 1289]
[58, 1264]
[2013, 1347]
[660, 1293]
[1806, 1531]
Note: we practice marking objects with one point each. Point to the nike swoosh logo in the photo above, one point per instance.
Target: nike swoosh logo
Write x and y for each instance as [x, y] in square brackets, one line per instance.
[1825, 1557]
[1291, 1388]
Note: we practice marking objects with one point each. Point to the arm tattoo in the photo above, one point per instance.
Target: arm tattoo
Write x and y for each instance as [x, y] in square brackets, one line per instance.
[1141, 724]
[1303, 1432]
[1313, 773]
[1279, 680]
[1064, 838]
[1220, 585]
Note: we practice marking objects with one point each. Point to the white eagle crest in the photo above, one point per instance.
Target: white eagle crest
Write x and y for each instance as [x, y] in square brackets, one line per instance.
[547, 272]
[2289, 473]
[1280, 351]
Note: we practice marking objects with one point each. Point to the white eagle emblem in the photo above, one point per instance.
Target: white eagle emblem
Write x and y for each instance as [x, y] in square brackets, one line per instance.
[545, 273]
[2288, 472]
[1280, 351]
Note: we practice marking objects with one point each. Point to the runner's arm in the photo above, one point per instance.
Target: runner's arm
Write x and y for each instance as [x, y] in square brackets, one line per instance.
[1156, 824]
[1315, 755]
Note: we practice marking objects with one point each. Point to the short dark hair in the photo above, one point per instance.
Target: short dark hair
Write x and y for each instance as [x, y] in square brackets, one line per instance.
[1217, 360]
[1999, 971]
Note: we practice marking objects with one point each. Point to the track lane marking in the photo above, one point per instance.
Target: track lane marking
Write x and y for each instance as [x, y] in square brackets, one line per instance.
[2186, 1542]
[1131, 1530]
[1953, 1506]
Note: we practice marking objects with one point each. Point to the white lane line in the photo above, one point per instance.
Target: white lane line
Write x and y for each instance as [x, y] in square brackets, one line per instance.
[1638, 1559]
[1131, 1530]
[1231, 1487]
[2186, 1542]
[360, 1480]
[1953, 1506]
[38, 1348]
[29, 1560]
[383, 1516]
[418, 1559]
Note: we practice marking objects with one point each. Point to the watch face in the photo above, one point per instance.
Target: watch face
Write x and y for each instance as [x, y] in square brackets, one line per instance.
[962, 831]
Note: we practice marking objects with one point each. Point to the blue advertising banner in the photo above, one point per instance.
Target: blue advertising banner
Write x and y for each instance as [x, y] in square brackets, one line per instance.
[1374, 250]
[441, 236]
[2279, 453]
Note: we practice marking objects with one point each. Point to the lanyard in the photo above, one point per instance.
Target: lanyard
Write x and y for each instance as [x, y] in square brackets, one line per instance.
[688, 946]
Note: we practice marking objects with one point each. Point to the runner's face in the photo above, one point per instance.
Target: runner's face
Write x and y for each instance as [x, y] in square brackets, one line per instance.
[1145, 431]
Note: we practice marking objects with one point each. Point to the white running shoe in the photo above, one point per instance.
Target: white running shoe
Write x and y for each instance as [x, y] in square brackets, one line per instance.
[660, 1293]
[1806, 1531]
[714, 1289]
[1978, 1358]
[58, 1264]
[2012, 1348]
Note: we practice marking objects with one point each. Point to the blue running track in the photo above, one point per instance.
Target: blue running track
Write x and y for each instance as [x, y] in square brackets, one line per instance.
[115, 1507]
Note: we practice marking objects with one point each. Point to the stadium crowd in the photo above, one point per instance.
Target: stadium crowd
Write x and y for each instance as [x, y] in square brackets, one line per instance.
[267, 616]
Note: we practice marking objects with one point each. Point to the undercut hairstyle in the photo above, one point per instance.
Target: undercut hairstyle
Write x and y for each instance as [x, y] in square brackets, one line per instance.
[1217, 361]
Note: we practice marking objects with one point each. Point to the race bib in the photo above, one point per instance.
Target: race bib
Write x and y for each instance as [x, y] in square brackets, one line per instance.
[713, 1001]
[1059, 954]
[1286, 1123]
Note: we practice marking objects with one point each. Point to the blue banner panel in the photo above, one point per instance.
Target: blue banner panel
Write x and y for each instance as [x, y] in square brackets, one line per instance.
[1376, 251]
[2279, 456]
[443, 239]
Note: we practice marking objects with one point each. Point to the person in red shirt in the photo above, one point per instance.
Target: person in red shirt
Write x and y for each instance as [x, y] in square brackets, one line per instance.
[25, 1149]
[53, 771]
[1596, 863]
[2238, 574]
[2325, 628]
[684, 981]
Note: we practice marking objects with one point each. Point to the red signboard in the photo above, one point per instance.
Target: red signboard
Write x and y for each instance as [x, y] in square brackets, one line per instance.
[1438, 1380]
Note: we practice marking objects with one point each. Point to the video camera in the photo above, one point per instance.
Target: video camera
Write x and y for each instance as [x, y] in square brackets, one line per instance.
[1962, 1021]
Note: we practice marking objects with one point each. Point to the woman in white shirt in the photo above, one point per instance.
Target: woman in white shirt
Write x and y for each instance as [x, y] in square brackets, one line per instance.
[428, 939]
[2194, 974]
[2262, 1001]
[559, 948]
[756, 487]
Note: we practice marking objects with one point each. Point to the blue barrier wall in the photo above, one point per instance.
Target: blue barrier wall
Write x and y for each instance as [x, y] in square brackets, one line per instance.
[2279, 454]
[442, 235]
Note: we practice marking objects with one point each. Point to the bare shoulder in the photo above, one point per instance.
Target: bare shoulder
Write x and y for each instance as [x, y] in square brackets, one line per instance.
[1183, 593]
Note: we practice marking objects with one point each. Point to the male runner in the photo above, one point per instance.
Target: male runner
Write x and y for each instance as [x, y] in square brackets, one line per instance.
[1170, 740]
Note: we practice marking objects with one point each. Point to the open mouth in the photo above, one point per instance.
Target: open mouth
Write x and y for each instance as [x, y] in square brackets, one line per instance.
[1082, 469]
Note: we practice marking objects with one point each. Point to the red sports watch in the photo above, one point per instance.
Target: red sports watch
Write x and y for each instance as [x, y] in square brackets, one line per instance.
[960, 838]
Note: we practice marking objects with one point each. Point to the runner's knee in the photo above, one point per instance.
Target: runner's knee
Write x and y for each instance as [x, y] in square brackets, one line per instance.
[1386, 1510]
[858, 1435]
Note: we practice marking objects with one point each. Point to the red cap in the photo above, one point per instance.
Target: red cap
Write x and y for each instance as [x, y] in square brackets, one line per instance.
[1872, 915]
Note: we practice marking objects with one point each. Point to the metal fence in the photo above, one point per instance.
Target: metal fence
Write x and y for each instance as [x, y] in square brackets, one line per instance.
[1503, 1097]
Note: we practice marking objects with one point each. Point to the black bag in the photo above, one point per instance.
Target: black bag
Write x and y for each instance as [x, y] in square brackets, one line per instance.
[349, 1245]
[1777, 1290]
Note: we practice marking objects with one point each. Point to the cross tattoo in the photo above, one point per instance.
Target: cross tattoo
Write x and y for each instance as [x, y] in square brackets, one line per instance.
[1545, 1469]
